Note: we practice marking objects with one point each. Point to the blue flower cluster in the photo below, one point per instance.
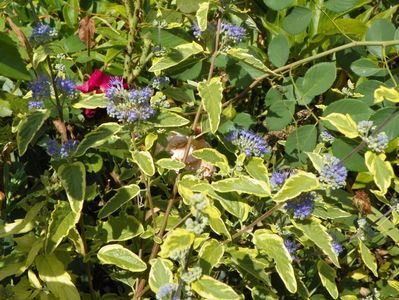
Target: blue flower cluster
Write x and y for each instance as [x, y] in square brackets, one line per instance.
[56, 150]
[35, 105]
[249, 142]
[67, 87]
[40, 91]
[166, 290]
[337, 247]
[332, 173]
[376, 142]
[291, 247]
[160, 83]
[196, 31]
[233, 33]
[302, 206]
[327, 137]
[279, 177]
[129, 106]
[42, 34]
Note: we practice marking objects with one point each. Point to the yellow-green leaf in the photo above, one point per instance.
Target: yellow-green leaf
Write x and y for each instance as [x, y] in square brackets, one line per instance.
[121, 257]
[211, 289]
[297, 184]
[327, 276]
[384, 93]
[210, 254]
[380, 169]
[242, 184]
[244, 56]
[211, 94]
[178, 239]
[368, 258]
[73, 179]
[343, 123]
[170, 164]
[160, 274]
[202, 15]
[144, 160]
[257, 169]
[213, 157]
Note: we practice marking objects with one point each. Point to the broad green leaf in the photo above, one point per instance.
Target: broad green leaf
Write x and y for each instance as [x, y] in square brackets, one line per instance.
[365, 67]
[215, 221]
[92, 101]
[121, 228]
[73, 179]
[380, 169]
[244, 56]
[300, 141]
[210, 255]
[11, 63]
[213, 157]
[178, 54]
[178, 239]
[170, 119]
[318, 79]
[297, 21]
[5, 110]
[121, 257]
[317, 233]
[59, 282]
[384, 93]
[342, 147]
[273, 245]
[357, 109]
[62, 220]
[242, 185]
[278, 50]
[340, 5]
[211, 95]
[29, 127]
[380, 30]
[343, 123]
[211, 289]
[368, 258]
[202, 15]
[327, 276]
[280, 114]
[297, 184]
[20, 226]
[278, 4]
[347, 25]
[97, 137]
[71, 12]
[189, 6]
[160, 274]
[232, 203]
[144, 160]
[150, 140]
[122, 196]
[316, 159]
[170, 164]
[257, 169]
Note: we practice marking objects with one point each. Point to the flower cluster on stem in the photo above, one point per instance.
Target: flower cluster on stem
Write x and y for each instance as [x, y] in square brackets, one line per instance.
[249, 142]
[376, 142]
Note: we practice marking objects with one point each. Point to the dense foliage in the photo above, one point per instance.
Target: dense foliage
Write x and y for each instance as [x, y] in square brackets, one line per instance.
[199, 149]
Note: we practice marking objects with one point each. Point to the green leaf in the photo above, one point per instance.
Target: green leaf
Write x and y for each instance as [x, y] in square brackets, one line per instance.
[170, 164]
[122, 196]
[243, 55]
[368, 258]
[29, 127]
[73, 179]
[178, 54]
[327, 276]
[297, 184]
[317, 233]
[273, 245]
[242, 185]
[178, 239]
[301, 140]
[121, 228]
[59, 282]
[278, 4]
[391, 129]
[278, 50]
[121, 257]
[340, 5]
[316, 159]
[280, 114]
[5, 110]
[343, 123]
[144, 160]
[380, 169]
[318, 79]
[92, 101]
[357, 109]
[213, 157]
[97, 137]
[20, 226]
[160, 274]
[11, 63]
[342, 147]
[380, 30]
[384, 225]
[365, 67]
[211, 289]
[62, 220]
[232, 203]
[297, 21]
[189, 6]
[347, 25]
[257, 169]
[210, 255]
[215, 221]
[211, 95]
[71, 12]
[202, 15]
[170, 119]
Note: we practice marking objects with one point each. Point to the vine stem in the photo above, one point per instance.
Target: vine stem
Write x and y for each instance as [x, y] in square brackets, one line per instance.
[154, 251]
[309, 59]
